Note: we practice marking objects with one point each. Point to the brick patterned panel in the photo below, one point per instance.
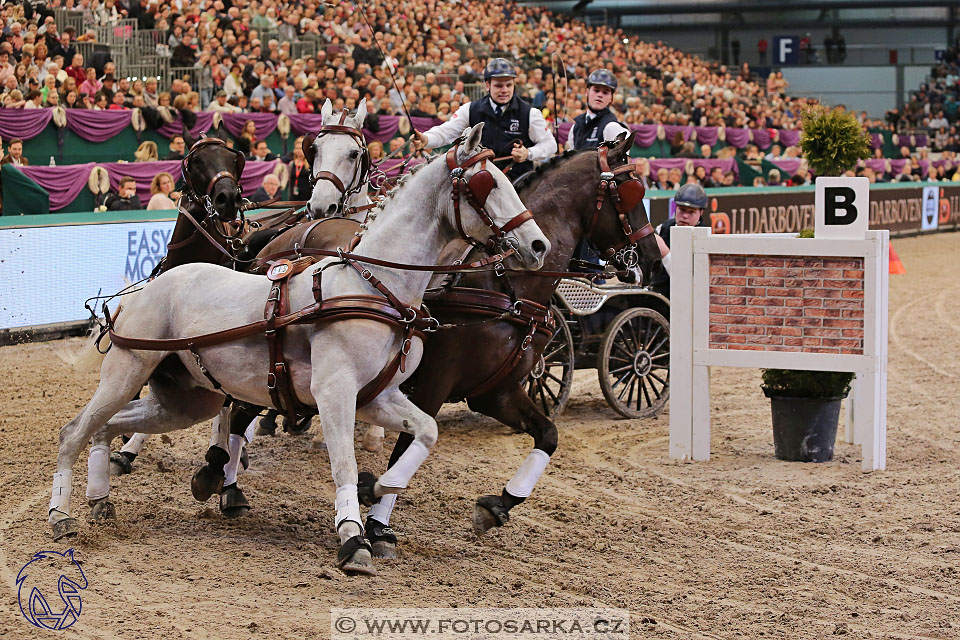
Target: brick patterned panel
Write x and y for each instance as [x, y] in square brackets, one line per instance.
[786, 303]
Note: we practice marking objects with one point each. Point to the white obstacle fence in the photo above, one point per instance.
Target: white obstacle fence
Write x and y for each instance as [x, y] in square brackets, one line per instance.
[778, 301]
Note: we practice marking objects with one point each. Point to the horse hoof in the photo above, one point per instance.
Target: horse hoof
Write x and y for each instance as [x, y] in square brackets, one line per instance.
[300, 426]
[355, 559]
[233, 504]
[65, 528]
[205, 483]
[267, 426]
[382, 538]
[103, 511]
[373, 439]
[366, 482]
[120, 465]
[488, 513]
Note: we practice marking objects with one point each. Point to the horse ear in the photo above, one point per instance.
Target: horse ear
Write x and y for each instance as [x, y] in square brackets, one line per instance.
[326, 109]
[361, 113]
[469, 146]
[220, 131]
[621, 150]
[308, 148]
[187, 138]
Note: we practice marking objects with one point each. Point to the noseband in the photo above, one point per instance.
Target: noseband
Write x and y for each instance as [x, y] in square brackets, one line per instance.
[361, 172]
[203, 198]
[625, 196]
[476, 190]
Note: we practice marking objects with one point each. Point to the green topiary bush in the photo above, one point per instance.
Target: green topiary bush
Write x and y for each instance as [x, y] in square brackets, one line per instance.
[784, 383]
[832, 140]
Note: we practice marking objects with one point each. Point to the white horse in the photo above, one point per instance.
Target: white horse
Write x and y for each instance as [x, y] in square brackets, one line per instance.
[329, 363]
[342, 157]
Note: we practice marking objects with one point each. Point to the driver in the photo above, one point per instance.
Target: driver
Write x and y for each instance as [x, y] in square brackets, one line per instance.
[690, 200]
[597, 124]
[513, 129]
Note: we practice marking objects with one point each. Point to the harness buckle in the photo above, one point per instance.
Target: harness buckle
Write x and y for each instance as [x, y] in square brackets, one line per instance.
[366, 274]
[275, 291]
[499, 269]
[434, 325]
[456, 173]
[606, 176]
[271, 381]
[527, 341]
[405, 347]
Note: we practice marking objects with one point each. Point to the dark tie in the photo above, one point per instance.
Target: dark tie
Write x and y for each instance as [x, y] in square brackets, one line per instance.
[499, 111]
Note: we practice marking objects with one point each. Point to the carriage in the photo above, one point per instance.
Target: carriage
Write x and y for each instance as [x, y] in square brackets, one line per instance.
[622, 331]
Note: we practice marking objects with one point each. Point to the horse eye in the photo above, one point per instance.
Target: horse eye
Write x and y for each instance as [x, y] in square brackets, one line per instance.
[354, 155]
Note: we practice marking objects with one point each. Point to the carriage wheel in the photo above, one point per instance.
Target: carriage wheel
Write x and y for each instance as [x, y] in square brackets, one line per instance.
[634, 363]
[548, 383]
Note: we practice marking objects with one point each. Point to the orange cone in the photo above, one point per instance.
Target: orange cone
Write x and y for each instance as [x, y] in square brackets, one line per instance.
[895, 265]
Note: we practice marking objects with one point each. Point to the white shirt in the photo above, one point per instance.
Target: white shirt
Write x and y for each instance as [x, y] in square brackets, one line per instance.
[610, 132]
[544, 144]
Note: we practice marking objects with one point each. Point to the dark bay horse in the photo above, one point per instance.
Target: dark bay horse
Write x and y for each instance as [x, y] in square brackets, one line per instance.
[563, 196]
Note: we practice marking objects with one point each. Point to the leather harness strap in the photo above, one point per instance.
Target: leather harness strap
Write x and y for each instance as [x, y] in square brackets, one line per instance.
[608, 184]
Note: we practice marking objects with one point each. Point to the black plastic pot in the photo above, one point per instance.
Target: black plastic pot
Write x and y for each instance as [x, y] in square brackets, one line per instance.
[804, 429]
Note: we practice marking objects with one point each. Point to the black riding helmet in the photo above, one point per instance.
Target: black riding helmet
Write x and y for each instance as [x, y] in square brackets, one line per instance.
[691, 195]
[499, 68]
[603, 78]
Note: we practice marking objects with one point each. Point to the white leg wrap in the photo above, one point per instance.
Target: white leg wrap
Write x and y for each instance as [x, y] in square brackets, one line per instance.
[135, 443]
[522, 483]
[231, 469]
[398, 476]
[251, 429]
[348, 506]
[220, 429]
[60, 495]
[98, 472]
[383, 509]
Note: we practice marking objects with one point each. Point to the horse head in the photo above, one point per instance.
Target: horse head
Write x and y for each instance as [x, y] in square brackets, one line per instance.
[339, 162]
[621, 228]
[211, 171]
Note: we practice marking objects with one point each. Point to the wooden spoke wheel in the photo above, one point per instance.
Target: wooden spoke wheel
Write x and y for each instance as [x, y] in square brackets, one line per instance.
[634, 363]
[548, 383]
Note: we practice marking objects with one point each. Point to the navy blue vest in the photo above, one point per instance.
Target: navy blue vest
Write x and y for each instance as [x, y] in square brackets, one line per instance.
[590, 135]
[500, 132]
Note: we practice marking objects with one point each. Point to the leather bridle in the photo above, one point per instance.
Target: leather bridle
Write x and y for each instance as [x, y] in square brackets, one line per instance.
[625, 196]
[204, 198]
[476, 190]
[361, 172]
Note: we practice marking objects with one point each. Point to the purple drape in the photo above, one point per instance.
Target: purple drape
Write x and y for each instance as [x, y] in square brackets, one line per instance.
[708, 135]
[897, 166]
[646, 134]
[175, 128]
[876, 140]
[266, 123]
[563, 131]
[63, 183]
[739, 138]
[788, 165]
[97, 126]
[422, 124]
[879, 165]
[789, 137]
[303, 123]
[66, 182]
[391, 167]
[921, 140]
[762, 138]
[23, 123]
[672, 130]
[726, 164]
[388, 127]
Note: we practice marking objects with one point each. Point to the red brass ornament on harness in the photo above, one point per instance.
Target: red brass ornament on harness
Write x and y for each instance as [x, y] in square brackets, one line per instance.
[477, 190]
[625, 196]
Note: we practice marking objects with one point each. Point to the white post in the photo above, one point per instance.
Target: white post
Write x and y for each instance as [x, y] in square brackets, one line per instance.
[870, 402]
[700, 387]
[681, 343]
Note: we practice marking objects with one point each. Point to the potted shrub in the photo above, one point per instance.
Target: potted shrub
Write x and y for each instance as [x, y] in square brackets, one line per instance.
[805, 405]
